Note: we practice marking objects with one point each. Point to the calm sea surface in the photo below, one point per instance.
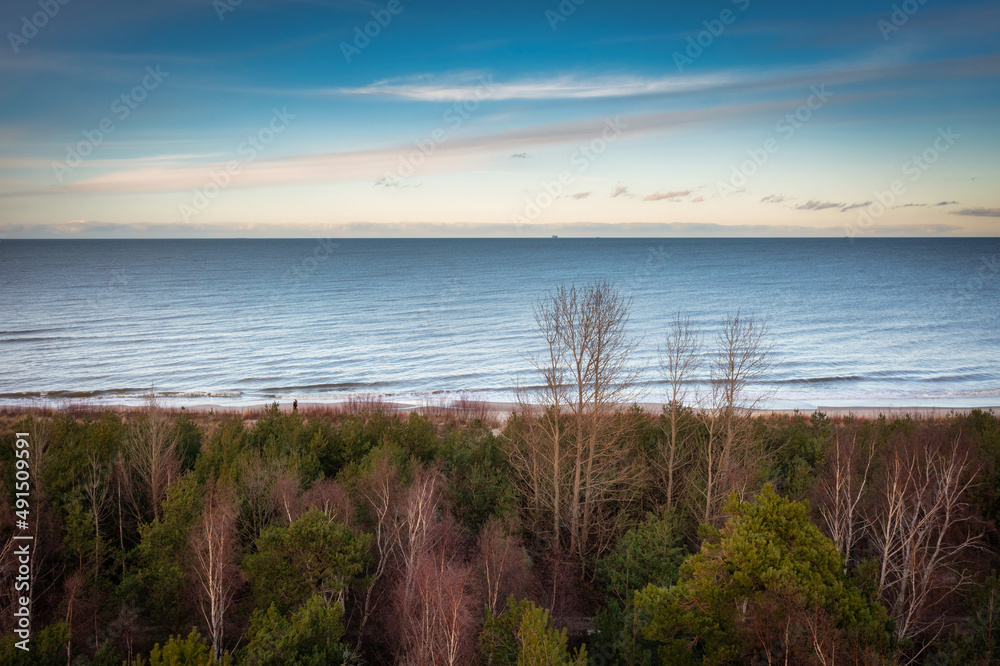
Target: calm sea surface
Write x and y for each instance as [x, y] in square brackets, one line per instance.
[864, 322]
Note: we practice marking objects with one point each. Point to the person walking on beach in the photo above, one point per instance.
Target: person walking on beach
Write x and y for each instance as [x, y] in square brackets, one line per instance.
[295, 405]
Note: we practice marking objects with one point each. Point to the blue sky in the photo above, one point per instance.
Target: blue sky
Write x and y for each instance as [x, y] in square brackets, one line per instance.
[266, 118]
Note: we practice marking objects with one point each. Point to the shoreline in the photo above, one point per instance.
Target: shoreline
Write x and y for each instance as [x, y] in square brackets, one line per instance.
[495, 409]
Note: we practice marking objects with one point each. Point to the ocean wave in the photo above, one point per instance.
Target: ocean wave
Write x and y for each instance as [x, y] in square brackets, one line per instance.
[338, 386]
[117, 393]
[820, 380]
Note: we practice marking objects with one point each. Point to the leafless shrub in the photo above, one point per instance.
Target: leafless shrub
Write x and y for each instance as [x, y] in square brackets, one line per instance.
[332, 499]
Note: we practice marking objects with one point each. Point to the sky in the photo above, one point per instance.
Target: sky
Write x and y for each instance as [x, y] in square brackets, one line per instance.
[409, 118]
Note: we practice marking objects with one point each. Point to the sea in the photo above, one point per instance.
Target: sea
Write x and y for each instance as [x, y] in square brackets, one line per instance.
[229, 322]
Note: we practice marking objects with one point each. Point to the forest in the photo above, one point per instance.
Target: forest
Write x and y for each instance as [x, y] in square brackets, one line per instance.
[582, 527]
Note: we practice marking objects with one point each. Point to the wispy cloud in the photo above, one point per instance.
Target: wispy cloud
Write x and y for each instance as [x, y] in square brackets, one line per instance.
[818, 205]
[459, 86]
[774, 198]
[580, 195]
[660, 196]
[978, 212]
[372, 164]
[855, 205]
[620, 191]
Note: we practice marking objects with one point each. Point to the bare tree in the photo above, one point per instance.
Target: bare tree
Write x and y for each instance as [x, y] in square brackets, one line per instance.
[504, 567]
[379, 491]
[920, 529]
[332, 499]
[257, 475]
[741, 359]
[151, 456]
[679, 362]
[286, 497]
[97, 493]
[419, 517]
[440, 620]
[841, 489]
[122, 480]
[569, 454]
[213, 546]
[540, 455]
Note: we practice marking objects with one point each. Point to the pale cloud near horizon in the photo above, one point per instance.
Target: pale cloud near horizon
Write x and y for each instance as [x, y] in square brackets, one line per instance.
[98, 229]
[978, 212]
